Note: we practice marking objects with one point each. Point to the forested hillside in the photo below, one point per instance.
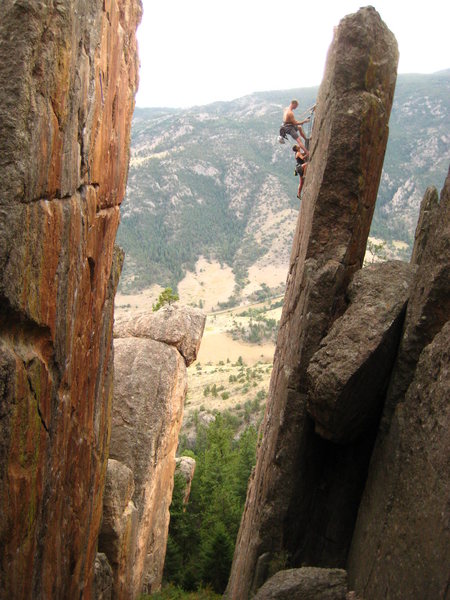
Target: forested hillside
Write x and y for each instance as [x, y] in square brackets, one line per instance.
[213, 180]
[417, 155]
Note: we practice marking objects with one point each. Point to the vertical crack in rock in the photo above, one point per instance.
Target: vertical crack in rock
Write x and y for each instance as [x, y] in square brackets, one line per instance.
[35, 395]
[349, 373]
[64, 160]
[401, 535]
[305, 490]
[151, 353]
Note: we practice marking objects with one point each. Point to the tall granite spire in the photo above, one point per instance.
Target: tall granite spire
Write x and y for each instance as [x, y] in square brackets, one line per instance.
[293, 507]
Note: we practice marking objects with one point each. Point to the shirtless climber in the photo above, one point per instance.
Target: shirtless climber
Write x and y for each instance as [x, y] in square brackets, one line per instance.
[293, 127]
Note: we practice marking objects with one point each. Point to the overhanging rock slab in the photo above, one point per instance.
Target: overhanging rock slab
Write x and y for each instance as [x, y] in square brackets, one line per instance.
[349, 374]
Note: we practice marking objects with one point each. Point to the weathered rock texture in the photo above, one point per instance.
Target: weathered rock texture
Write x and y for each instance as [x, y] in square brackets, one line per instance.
[402, 541]
[304, 494]
[185, 466]
[103, 578]
[429, 305]
[429, 204]
[118, 534]
[180, 328]
[67, 83]
[149, 391]
[308, 583]
[349, 374]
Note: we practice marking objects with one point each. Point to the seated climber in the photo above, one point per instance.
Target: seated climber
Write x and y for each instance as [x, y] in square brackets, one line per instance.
[301, 167]
[293, 127]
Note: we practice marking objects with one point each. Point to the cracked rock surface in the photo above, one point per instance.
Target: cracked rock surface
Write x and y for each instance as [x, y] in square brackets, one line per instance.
[303, 496]
[151, 354]
[349, 374]
[67, 88]
[401, 537]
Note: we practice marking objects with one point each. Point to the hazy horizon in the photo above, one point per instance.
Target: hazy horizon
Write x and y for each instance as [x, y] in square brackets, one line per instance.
[275, 91]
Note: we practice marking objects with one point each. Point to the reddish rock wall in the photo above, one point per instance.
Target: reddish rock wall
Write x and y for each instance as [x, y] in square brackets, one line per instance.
[66, 101]
[303, 497]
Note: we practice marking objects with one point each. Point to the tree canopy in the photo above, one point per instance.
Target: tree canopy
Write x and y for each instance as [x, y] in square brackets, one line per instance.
[202, 534]
[167, 296]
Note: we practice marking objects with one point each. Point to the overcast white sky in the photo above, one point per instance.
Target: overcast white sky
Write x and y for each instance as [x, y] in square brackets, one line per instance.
[199, 51]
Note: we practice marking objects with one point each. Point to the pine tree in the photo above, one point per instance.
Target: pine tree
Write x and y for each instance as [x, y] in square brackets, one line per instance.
[166, 297]
[204, 530]
[217, 557]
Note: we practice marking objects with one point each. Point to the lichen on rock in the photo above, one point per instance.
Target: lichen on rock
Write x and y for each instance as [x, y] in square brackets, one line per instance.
[66, 102]
[150, 358]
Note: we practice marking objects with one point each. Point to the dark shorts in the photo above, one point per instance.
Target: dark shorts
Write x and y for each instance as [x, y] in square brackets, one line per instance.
[291, 130]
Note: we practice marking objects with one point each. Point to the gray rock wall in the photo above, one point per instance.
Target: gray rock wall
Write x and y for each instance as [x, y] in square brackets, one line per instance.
[402, 537]
[349, 373]
[308, 583]
[303, 496]
[150, 382]
[400, 541]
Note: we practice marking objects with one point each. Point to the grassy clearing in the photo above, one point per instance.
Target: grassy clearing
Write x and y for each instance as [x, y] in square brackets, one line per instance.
[229, 374]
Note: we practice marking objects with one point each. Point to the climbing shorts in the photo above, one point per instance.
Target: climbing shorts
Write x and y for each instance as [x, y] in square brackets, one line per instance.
[299, 170]
[291, 130]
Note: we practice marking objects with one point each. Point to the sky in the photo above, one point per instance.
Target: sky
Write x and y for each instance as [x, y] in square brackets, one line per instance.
[194, 52]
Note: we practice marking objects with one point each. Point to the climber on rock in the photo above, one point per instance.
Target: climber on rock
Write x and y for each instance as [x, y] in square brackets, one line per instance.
[301, 167]
[293, 127]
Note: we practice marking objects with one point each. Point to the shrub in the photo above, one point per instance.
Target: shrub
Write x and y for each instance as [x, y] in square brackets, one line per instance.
[166, 297]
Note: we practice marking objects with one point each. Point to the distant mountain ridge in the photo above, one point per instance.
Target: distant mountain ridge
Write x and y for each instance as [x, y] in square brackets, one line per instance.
[213, 181]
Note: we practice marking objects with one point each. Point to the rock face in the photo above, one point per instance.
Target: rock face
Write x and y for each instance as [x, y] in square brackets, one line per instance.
[429, 204]
[303, 496]
[118, 533]
[103, 579]
[349, 374]
[429, 306]
[401, 537]
[150, 385]
[67, 89]
[308, 583]
[180, 328]
[185, 466]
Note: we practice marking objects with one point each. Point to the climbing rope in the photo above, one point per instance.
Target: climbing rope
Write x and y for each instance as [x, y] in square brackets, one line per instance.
[309, 110]
[283, 137]
[308, 125]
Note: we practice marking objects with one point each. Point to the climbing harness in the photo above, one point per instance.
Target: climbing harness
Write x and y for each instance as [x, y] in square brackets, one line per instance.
[282, 138]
